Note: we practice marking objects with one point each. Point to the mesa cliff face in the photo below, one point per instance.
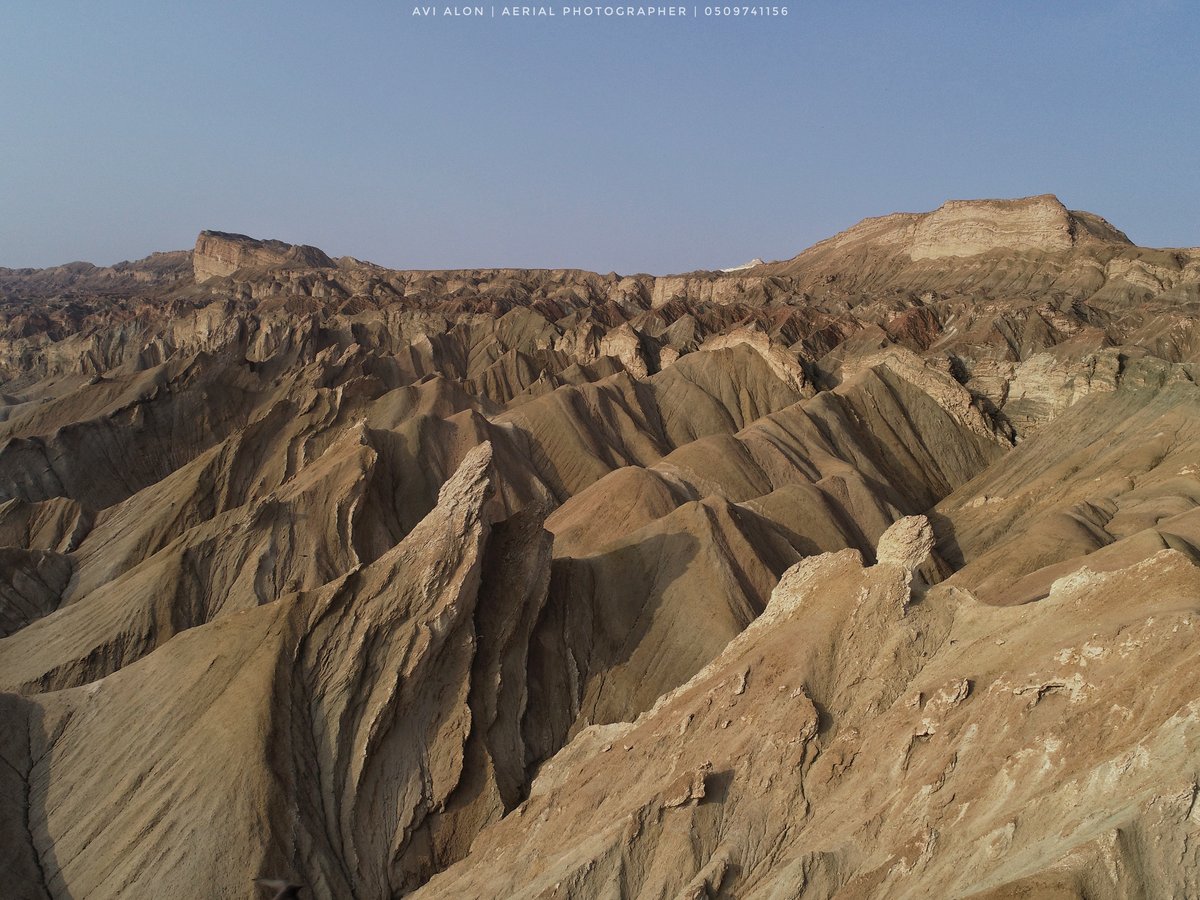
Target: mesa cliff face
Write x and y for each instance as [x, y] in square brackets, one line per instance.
[218, 253]
[871, 573]
[1036, 224]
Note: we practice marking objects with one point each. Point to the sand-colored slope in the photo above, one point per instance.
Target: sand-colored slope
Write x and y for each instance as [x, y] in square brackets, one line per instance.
[326, 732]
[855, 743]
[556, 584]
[1117, 471]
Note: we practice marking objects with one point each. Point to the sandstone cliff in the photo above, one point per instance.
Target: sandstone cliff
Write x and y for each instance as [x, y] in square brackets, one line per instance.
[218, 253]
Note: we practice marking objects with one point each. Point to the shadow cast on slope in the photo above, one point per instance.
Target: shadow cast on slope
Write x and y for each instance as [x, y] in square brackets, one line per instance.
[27, 853]
[598, 613]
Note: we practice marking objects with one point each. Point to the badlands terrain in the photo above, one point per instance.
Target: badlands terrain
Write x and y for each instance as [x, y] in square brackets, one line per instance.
[868, 573]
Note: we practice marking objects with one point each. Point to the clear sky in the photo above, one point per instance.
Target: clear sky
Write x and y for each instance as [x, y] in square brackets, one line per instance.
[627, 145]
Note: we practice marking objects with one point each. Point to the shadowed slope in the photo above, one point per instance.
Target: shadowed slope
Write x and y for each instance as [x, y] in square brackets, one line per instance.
[319, 730]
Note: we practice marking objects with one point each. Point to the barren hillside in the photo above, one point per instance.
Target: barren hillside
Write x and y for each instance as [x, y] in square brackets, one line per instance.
[869, 573]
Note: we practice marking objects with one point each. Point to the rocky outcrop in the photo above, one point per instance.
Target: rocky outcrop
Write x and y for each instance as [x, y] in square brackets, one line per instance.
[218, 253]
[783, 363]
[985, 249]
[709, 288]
[907, 544]
[849, 743]
[624, 344]
[964, 228]
[1034, 224]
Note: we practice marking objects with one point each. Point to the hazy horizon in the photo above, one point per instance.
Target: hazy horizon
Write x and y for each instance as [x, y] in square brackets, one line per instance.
[606, 145]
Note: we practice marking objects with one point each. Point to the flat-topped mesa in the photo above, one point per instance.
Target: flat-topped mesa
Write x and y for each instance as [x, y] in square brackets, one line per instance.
[219, 253]
[1030, 224]
[957, 229]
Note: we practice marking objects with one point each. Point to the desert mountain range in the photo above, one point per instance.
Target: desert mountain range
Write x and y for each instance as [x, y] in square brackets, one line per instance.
[871, 573]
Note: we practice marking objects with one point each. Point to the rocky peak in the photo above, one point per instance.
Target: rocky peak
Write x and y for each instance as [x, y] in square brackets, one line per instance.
[1002, 243]
[220, 253]
[907, 543]
[970, 227]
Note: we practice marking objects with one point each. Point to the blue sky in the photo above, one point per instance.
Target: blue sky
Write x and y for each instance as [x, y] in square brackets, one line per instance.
[622, 145]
